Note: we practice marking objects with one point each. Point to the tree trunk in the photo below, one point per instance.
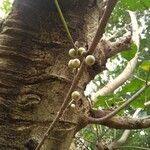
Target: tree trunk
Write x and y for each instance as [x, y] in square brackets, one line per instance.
[34, 77]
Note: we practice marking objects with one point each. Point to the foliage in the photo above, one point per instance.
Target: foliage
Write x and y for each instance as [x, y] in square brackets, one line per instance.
[120, 21]
[6, 6]
[136, 4]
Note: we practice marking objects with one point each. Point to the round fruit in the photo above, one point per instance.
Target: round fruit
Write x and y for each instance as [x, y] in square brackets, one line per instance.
[75, 63]
[75, 95]
[72, 105]
[90, 60]
[81, 51]
[70, 65]
[72, 52]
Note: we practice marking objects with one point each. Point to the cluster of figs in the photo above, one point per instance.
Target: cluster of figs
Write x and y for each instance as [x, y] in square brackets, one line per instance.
[74, 63]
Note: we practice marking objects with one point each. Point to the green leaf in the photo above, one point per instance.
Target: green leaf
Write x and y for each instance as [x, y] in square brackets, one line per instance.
[6, 6]
[129, 54]
[131, 87]
[109, 101]
[146, 3]
[140, 100]
[136, 4]
[103, 101]
[145, 65]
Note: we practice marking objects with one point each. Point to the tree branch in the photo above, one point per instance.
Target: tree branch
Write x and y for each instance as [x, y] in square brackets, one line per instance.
[118, 81]
[120, 45]
[118, 122]
[113, 113]
[103, 22]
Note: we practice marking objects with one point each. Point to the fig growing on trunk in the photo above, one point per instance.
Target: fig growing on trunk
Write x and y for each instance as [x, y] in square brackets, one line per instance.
[72, 105]
[90, 60]
[72, 53]
[76, 63]
[75, 95]
[81, 51]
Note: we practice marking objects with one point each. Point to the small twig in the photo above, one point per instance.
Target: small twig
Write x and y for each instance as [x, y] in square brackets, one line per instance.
[97, 133]
[113, 113]
[110, 6]
[148, 74]
[139, 78]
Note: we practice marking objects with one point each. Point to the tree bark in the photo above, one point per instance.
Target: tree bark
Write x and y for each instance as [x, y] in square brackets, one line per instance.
[34, 77]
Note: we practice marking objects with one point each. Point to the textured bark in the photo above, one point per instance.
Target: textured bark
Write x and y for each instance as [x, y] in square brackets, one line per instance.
[34, 77]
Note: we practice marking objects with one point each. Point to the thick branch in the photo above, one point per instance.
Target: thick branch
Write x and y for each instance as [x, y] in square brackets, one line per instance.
[122, 44]
[113, 113]
[120, 122]
[119, 80]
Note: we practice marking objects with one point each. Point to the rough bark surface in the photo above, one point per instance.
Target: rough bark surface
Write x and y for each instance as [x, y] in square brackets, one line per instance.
[34, 77]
